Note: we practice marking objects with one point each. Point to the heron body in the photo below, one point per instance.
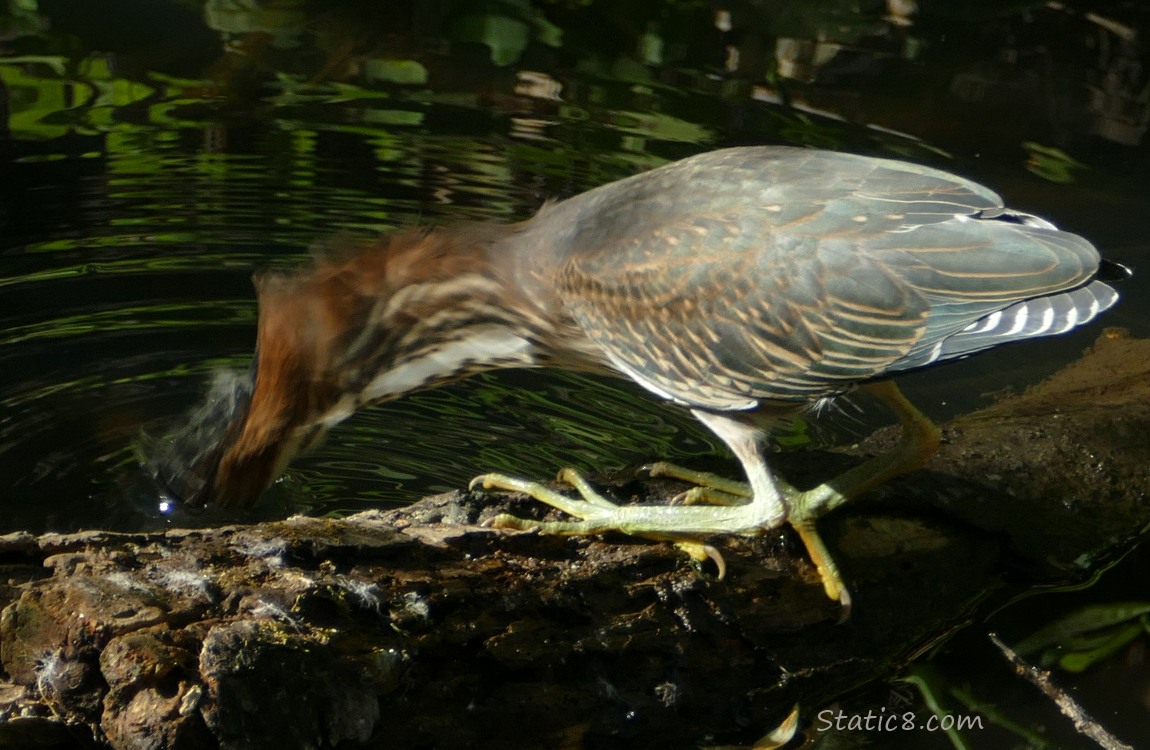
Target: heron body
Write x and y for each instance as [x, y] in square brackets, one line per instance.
[743, 284]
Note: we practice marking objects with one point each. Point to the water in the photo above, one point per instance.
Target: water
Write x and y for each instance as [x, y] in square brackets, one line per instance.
[153, 159]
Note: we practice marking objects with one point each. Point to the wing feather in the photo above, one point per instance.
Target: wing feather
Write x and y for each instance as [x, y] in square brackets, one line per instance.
[783, 274]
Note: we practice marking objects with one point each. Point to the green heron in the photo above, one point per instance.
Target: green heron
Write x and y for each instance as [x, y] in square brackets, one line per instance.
[746, 285]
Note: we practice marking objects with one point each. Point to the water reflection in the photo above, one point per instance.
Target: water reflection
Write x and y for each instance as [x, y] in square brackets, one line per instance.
[153, 158]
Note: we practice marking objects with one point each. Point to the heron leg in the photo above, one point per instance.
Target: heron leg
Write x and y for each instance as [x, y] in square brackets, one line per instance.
[920, 440]
[761, 483]
[596, 514]
[684, 525]
[713, 489]
[749, 509]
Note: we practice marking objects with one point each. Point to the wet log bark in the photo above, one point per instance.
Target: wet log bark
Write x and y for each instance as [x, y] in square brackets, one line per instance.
[421, 628]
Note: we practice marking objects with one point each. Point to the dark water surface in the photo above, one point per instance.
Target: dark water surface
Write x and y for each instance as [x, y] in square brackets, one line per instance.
[154, 154]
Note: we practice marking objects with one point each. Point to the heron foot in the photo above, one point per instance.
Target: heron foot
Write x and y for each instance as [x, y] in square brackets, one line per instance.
[596, 515]
[683, 525]
[803, 510]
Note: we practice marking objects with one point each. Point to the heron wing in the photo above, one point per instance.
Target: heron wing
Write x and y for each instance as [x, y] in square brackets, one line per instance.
[785, 274]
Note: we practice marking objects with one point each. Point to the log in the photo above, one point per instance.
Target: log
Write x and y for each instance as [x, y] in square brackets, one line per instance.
[420, 627]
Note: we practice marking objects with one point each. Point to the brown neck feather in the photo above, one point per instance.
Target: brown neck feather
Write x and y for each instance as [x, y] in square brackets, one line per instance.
[325, 331]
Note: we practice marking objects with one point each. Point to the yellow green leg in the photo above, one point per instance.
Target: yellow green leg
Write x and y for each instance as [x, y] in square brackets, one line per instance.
[734, 507]
[597, 515]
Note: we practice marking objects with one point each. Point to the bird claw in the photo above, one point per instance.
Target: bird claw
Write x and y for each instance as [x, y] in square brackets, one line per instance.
[700, 552]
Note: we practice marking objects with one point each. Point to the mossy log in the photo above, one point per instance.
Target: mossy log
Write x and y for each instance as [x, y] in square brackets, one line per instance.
[420, 627]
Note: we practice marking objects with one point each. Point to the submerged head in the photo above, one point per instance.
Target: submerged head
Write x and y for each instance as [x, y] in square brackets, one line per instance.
[365, 324]
[251, 424]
